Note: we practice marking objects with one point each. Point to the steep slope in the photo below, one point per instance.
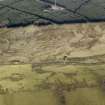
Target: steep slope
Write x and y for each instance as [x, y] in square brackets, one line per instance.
[33, 44]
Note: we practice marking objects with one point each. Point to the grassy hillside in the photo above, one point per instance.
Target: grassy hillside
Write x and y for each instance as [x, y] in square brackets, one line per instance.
[53, 84]
[55, 65]
[34, 44]
[22, 12]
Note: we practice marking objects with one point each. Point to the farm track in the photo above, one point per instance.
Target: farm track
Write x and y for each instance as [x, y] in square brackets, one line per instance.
[14, 15]
[85, 18]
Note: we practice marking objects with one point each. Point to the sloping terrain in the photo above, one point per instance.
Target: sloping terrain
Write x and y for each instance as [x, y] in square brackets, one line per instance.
[55, 65]
[34, 44]
[22, 12]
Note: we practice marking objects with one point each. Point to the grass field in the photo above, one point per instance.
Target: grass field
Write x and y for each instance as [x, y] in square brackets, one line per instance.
[53, 84]
[22, 12]
[55, 65]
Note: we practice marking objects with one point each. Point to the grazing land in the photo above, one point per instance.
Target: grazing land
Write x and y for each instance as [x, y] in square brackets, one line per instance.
[53, 84]
[54, 64]
[23, 12]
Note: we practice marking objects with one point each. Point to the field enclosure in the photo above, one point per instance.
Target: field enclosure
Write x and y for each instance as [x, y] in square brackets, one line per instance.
[15, 12]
